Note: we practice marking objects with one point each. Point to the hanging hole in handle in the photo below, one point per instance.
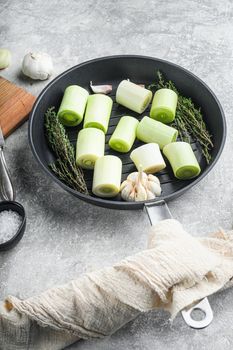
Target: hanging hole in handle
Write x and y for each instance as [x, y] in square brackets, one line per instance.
[198, 314]
[206, 310]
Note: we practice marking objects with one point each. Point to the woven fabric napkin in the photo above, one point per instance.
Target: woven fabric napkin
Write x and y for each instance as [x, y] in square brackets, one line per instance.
[175, 271]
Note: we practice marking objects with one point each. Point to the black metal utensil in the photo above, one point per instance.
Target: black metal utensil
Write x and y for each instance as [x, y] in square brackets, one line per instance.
[6, 186]
[8, 193]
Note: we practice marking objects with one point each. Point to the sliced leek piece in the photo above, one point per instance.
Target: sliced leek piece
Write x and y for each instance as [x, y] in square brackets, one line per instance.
[150, 130]
[163, 106]
[182, 159]
[107, 176]
[73, 105]
[133, 96]
[148, 158]
[98, 112]
[124, 135]
[90, 147]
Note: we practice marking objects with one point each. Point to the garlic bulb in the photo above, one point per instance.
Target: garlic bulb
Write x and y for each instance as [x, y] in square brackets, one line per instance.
[37, 65]
[140, 187]
[5, 58]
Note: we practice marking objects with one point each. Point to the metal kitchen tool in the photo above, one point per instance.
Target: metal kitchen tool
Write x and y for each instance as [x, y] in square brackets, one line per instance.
[6, 186]
[8, 193]
[139, 69]
[159, 212]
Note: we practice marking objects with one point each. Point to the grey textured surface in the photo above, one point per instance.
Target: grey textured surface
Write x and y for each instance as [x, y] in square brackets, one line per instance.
[65, 236]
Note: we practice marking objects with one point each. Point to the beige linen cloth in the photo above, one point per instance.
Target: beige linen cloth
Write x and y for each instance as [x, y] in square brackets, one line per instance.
[175, 271]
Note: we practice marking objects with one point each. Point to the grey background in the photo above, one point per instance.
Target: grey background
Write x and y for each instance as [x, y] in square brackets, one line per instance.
[66, 237]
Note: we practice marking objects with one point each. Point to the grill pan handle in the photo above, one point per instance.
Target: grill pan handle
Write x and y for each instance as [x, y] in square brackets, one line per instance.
[159, 211]
[6, 187]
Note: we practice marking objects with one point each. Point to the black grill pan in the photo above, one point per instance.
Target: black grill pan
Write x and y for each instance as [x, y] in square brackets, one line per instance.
[139, 69]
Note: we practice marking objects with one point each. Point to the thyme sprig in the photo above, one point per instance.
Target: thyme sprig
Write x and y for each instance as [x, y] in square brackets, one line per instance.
[189, 119]
[65, 166]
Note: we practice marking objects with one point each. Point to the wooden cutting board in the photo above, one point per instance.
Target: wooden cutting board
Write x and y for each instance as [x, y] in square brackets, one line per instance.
[15, 106]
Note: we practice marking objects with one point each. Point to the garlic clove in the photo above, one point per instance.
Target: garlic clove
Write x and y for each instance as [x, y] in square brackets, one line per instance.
[101, 89]
[124, 184]
[132, 196]
[153, 178]
[134, 177]
[150, 195]
[154, 187]
[142, 177]
[37, 65]
[126, 191]
[141, 194]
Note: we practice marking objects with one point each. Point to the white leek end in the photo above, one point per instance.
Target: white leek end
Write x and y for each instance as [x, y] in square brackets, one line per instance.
[148, 158]
[133, 96]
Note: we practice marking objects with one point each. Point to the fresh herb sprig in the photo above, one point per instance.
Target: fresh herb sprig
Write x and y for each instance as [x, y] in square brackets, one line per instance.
[189, 120]
[65, 166]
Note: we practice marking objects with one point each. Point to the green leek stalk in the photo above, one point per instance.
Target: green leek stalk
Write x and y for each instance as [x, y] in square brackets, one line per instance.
[98, 112]
[182, 159]
[163, 106]
[133, 96]
[124, 135]
[107, 176]
[89, 147]
[150, 130]
[73, 105]
[148, 158]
